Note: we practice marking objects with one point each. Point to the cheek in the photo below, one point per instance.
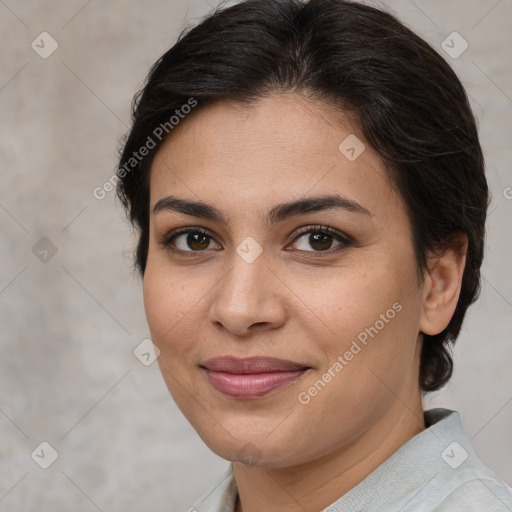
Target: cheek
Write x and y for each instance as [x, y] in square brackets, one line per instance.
[169, 311]
[157, 303]
[355, 300]
[176, 307]
[167, 308]
[372, 318]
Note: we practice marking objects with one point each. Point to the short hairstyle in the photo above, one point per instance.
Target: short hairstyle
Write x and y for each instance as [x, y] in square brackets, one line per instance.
[407, 102]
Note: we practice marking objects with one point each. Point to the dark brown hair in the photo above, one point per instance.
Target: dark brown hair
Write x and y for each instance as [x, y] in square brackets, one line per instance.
[408, 103]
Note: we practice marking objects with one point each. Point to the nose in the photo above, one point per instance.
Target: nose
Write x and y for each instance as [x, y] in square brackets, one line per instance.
[249, 298]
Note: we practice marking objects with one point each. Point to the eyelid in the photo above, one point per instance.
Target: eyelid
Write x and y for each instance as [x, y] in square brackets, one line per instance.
[166, 238]
[324, 229]
[344, 239]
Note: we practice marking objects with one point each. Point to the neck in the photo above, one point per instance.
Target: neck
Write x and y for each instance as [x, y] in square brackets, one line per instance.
[317, 484]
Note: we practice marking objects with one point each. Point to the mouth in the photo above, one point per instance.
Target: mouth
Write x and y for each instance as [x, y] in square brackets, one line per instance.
[251, 377]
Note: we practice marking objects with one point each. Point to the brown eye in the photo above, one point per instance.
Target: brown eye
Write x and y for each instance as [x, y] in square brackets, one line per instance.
[196, 241]
[319, 239]
[188, 240]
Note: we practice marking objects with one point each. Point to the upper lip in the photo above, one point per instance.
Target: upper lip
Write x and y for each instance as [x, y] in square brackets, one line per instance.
[254, 364]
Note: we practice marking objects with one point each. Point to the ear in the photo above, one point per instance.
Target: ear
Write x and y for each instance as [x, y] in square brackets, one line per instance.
[442, 286]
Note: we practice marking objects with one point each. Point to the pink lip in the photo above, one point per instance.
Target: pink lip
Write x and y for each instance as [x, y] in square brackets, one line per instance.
[251, 377]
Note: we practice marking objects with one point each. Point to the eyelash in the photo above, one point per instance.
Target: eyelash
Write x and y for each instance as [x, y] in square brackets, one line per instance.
[166, 241]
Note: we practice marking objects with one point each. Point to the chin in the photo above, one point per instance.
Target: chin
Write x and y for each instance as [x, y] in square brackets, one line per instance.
[253, 450]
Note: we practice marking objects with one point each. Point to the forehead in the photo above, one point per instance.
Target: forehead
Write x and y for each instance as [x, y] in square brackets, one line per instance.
[279, 147]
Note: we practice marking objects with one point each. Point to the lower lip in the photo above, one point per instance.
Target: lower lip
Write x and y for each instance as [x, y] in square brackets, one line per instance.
[251, 385]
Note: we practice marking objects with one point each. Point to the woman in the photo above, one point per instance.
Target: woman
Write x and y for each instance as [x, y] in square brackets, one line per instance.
[309, 188]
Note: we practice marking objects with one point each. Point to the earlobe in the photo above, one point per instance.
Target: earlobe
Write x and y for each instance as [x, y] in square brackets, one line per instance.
[442, 286]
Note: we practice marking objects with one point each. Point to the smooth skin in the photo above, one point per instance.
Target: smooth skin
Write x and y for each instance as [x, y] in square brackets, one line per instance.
[303, 299]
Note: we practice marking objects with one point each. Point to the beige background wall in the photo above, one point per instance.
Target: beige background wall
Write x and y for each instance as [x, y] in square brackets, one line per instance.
[69, 325]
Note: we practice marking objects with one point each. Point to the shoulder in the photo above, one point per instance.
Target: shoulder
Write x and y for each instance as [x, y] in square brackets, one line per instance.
[475, 490]
[445, 474]
[221, 497]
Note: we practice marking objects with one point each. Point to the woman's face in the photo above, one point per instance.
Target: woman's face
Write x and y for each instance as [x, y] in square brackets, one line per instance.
[342, 304]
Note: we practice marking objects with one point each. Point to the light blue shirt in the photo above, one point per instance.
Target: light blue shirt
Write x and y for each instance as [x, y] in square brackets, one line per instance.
[436, 470]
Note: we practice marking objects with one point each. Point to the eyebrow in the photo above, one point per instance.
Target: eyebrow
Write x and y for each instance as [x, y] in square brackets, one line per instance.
[277, 213]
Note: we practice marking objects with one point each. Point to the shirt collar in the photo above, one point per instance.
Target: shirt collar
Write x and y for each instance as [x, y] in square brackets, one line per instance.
[420, 454]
